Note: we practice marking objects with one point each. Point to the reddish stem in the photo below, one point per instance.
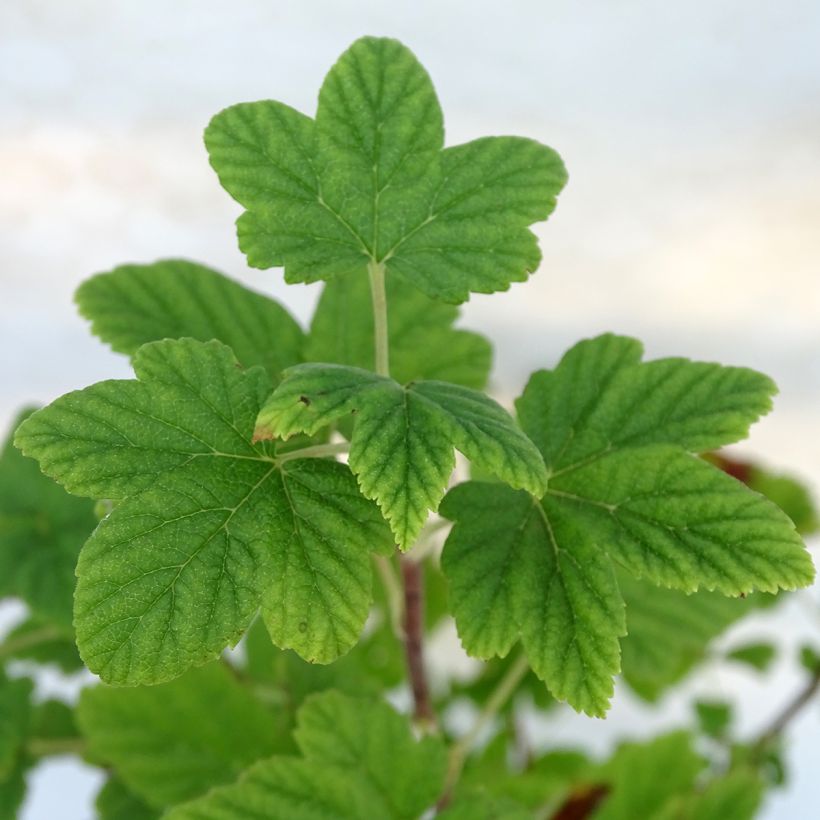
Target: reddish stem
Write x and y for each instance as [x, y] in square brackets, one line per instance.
[413, 640]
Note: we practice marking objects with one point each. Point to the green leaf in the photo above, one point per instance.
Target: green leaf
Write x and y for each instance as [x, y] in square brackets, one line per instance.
[616, 436]
[478, 805]
[736, 796]
[41, 531]
[669, 631]
[173, 298]
[511, 578]
[53, 720]
[115, 802]
[42, 642]
[714, 717]
[402, 445]
[645, 776]
[166, 743]
[423, 342]
[367, 182]
[15, 711]
[211, 525]
[790, 494]
[359, 761]
[13, 789]
[810, 659]
[757, 655]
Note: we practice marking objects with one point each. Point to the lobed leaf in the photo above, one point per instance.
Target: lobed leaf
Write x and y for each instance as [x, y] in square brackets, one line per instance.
[210, 525]
[402, 444]
[164, 742]
[368, 182]
[617, 437]
[174, 298]
[359, 761]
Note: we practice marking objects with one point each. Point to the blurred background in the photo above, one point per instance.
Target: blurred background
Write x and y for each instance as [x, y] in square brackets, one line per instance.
[691, 220]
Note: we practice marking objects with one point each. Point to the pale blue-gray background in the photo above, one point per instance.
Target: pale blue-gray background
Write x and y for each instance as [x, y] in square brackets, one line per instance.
[692, 218]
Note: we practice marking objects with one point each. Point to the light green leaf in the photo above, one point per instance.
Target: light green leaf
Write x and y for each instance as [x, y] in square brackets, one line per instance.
[645, 776]
[211, 525]
[423, 342]
[115, 802]
[402, 445]
[521, 570]
[359, 761]
[41, 531]
[757, 655]
[165, 742]
[367, 182]
[173, 298]
[714, 717]
[616, 437]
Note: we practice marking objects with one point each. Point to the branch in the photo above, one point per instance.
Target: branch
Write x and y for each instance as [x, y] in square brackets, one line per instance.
[787, 714]
[413, 642]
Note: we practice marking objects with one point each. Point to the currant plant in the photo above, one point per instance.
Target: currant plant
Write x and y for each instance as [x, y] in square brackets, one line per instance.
[253, 479]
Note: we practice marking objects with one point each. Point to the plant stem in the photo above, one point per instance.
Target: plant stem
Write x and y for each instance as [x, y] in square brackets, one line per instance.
[394, 593]
[29, 639]
[787, 714]
[314, 451]
[380, 338]
[459, 751]
[413, 642]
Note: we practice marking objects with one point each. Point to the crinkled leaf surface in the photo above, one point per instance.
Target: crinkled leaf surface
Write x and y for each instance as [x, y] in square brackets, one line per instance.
[617, 437]
[173, 742]
[423, 342]
[368, 181]
[210, 525]
[41, 531]
[359, 761]
[402, 445]
[173, 298]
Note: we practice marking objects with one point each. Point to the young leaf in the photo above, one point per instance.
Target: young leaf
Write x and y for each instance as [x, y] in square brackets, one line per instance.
[166, 742]
[368, 182]
[359, 761]
[402, 445]
[41, 531]
[210, 525]
[616, 437]
[173, 298]
[423, 342]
